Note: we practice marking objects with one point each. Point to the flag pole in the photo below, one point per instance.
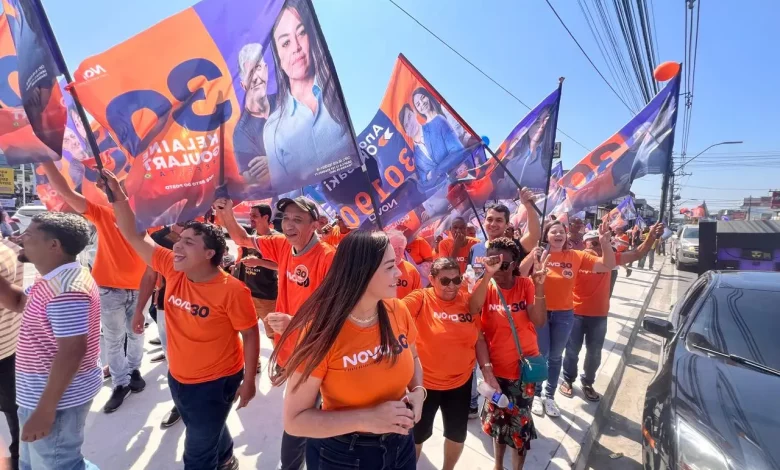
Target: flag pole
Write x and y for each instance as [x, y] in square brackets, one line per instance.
[549, 166]
[669, 173]
[55, 47]
[332, 66]
[512, 177]
[476, 214]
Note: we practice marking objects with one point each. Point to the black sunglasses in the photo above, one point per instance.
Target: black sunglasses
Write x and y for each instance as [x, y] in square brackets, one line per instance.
[445, 281]
[506, 265]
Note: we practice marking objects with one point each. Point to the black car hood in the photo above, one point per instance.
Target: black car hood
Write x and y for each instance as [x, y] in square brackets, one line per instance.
[734, 406]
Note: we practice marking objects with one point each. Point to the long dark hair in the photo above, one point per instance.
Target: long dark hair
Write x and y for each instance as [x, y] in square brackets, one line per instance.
[322, 72]
[322, 316]
[548, 226]
[431, 99]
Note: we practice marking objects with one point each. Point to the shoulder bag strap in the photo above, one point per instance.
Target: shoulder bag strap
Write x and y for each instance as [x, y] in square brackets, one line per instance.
[511, 324]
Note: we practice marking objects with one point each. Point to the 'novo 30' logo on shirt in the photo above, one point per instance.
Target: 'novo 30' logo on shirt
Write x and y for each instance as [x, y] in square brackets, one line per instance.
[363, 357]
[514, 307]
[201, 311]
[300, 275]
[454, 317]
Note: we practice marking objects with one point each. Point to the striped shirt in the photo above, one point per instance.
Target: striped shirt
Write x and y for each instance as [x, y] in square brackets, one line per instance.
[13, 272]
[61, 304]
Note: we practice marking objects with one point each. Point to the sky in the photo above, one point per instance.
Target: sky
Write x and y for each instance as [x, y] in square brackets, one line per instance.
[522, 46]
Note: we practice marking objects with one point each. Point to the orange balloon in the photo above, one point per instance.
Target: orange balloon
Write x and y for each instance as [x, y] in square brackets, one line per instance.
[666, 71]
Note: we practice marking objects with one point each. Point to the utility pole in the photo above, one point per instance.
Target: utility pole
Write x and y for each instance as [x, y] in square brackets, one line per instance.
[750, 206]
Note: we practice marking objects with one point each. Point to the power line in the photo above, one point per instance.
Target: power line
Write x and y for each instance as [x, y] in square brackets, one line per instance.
[478, 69]
[586, 56]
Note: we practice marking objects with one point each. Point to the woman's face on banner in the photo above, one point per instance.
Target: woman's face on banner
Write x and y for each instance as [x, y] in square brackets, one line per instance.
[292, 45]
[422, 104]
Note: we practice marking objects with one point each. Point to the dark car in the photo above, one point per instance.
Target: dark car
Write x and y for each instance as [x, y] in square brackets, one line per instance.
[713, 403]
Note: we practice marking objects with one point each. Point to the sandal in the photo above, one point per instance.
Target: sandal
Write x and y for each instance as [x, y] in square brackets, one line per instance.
[590, 393]
[566, 389]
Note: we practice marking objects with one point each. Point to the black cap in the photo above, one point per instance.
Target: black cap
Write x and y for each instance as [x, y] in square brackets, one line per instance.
[302, 202]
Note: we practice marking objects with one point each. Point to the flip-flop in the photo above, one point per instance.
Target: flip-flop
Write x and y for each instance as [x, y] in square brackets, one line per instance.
[567, 392]
[590, 393]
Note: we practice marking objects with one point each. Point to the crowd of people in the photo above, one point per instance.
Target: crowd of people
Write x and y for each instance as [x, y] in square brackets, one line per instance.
[358, 332]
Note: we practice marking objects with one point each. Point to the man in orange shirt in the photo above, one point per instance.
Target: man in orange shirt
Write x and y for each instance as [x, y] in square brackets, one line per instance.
[333, 235]
[208, 313]
[303, 260]
[591, 307]
[410, 278]
[117, 271]
[459, 245]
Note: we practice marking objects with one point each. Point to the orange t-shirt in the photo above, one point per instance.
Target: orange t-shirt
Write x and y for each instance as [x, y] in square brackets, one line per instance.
[350, 376]
[203, 320]
[299, 276]
[447, 338]
[498, 332]
[623, 243]
[446, 246]
[334, 237]
[117, 265]
[562, 269]
[591, 291]
[409, 280]
[419, 250]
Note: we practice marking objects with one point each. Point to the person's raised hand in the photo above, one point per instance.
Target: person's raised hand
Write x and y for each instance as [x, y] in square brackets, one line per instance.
[110, 180]
[526, 196]
[493, 264]
[539, 274]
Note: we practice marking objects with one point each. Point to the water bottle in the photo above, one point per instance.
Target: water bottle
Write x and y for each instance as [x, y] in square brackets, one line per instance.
[470, 276]
[490, 394]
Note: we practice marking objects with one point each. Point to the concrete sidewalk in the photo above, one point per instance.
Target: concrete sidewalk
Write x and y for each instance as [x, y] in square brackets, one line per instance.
[131, 437]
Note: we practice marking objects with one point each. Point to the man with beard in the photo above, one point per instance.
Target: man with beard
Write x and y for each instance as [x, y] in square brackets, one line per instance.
[57, 373]
[248, 135]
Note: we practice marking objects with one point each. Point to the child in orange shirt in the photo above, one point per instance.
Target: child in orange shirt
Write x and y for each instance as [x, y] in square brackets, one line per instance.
[359, 352]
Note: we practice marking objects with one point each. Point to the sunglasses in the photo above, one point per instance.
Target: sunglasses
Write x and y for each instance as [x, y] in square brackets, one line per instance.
[445, 281]
[506, 265]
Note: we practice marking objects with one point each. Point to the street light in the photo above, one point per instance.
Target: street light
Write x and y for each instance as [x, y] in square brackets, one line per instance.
[728, 142]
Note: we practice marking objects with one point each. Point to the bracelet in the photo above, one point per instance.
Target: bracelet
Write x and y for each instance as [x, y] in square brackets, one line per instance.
[539, 297]
[487, 364]
[425, 392]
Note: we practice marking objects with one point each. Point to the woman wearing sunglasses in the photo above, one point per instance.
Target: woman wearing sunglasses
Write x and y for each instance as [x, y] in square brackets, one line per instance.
[497, 352]
[563, 267]
[447, 331]
[358, 351]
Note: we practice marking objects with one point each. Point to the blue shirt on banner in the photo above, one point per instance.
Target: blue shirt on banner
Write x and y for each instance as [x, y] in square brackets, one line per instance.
[299, 141]
[441, 142]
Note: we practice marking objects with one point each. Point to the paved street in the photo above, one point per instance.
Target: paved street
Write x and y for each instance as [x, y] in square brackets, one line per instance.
[622, 432]
[132, 438]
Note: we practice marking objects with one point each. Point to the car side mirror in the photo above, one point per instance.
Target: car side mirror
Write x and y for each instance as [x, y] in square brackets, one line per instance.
[658, 327]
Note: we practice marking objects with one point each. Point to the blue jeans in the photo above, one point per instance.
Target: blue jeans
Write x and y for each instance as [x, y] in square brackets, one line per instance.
[591, 331]
[362, 452]
[204, 408]
[117, 307]
[161, 330]
[61, 449]
[552, 339]
[650, 256]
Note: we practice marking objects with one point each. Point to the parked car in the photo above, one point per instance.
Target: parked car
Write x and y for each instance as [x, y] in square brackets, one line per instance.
[713, 401]
[685, 246]
[23, 216]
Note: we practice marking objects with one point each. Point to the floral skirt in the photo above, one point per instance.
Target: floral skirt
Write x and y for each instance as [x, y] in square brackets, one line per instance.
[513, 425]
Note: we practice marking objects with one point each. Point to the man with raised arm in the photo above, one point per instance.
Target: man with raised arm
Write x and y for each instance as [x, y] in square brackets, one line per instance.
[303, 260]
[117, 271]
[207, 314]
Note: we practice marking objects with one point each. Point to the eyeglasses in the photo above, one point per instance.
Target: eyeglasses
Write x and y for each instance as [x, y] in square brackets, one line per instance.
[506, 265]
[445, 281]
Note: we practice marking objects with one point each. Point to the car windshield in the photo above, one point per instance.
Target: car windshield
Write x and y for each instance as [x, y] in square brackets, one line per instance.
[691, 233]
[741, 322]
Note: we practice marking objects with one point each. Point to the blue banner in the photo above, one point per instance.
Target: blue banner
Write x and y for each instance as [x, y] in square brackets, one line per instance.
[642, 147]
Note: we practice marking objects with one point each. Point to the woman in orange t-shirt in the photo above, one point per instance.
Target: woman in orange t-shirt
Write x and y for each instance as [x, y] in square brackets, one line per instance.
[563, 267]
[497, 352]
[445, 322]
[359, 352]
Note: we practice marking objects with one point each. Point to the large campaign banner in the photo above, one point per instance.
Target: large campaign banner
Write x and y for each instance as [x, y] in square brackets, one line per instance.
[526, 153]
[414, 143]
[234, 98]
[622, 214]
[642, 147]
[19, 142]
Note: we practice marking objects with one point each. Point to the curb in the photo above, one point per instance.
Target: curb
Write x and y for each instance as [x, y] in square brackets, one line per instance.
[605, 404]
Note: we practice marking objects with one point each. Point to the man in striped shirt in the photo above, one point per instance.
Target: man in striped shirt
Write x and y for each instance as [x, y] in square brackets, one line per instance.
[12, 271]
[57, 370]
